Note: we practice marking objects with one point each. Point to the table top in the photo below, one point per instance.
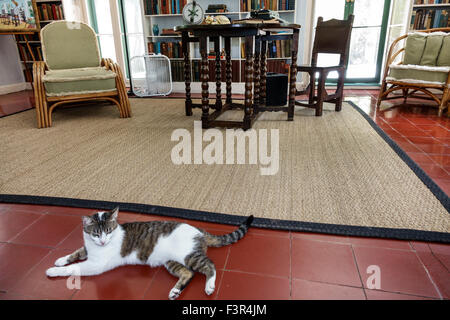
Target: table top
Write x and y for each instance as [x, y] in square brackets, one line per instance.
[237, 26]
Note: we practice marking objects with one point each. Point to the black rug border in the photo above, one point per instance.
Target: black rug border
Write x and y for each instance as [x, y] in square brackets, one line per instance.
[275, 224]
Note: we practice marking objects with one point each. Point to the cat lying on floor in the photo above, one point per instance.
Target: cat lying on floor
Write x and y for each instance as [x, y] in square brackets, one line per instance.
[180, 247]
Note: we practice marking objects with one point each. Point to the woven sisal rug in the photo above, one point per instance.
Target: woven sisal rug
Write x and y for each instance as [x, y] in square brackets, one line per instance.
[338, 174]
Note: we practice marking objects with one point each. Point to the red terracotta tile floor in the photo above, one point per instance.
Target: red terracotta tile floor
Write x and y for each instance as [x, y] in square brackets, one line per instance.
[267, 264]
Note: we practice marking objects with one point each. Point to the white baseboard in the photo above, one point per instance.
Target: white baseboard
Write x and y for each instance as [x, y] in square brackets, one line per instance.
[15, 87]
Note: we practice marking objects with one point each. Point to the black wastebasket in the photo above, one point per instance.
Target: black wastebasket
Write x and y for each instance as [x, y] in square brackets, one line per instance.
[276, 89]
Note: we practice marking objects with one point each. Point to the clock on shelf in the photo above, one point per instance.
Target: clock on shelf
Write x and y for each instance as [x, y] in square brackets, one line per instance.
[193, 13]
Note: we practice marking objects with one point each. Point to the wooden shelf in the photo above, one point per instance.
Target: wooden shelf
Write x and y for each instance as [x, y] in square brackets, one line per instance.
[164, 36]
[235, 12]
[431, 5]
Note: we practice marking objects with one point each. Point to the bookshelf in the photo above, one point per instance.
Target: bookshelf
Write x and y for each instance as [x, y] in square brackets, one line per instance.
[47, 11]
[427, 14]
[167, 13]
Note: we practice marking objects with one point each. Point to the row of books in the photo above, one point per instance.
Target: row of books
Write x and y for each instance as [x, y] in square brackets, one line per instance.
[429, 18]
[237, 70]
[275, 49]
[169, 49]
[152, 7]
[25, 54]
[48, 11]
[431, 1]
[275, 5]
[164, 6]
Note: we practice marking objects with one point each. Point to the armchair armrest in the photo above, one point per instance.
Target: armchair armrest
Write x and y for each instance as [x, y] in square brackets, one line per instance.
[120, 83]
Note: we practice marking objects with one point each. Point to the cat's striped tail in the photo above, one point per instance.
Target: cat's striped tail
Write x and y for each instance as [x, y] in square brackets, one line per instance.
[226, 239]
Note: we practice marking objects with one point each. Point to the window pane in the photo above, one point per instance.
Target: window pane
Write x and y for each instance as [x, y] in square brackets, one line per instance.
[329, 9]
[400, 12]
[133, 16]
[327, 60]
[368, 12]
[135, 45]
[363, 53]
[107, 47]
[103, 16]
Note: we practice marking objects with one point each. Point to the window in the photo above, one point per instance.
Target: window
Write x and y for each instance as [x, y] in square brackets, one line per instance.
[118, 24]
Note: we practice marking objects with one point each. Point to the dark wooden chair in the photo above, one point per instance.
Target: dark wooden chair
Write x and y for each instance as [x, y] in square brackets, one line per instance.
[332, 36]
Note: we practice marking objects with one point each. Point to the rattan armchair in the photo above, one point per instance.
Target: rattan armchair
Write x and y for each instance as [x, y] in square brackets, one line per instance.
[435, 88]
[73, 71]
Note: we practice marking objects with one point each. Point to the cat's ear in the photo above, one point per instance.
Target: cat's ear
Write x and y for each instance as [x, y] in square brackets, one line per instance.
[87, 221]
[114, 213]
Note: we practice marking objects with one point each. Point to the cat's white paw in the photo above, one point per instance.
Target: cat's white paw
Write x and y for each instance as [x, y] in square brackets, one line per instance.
[54, 272]
[174, 293]
[61, 261]
[210, 286]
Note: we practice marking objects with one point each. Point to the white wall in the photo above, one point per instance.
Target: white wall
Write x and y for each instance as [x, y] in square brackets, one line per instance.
[11, 75]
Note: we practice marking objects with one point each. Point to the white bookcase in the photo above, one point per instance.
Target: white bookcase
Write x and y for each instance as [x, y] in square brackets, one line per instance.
[168, 21]
[428, 6]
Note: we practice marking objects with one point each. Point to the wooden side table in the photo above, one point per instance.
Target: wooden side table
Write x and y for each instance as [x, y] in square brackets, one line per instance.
[255, 69]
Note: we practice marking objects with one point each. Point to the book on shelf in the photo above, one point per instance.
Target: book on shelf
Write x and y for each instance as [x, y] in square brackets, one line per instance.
[169, 32]
[278, 66]
[47, 11]
[276, 49]
[431, 2]
[422, 19]
[216, 8]
[169, 49]
[153, 7]
[25, 54]
[237, 67]
[274, 5]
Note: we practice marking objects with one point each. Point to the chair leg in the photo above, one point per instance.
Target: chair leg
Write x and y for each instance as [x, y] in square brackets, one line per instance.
[320, 94]
[381, 93]
[312, 87]
[444, 101]
[340, 91]
[405, 94]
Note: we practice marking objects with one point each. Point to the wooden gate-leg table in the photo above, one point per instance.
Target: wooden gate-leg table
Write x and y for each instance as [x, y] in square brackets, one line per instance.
[256, 37]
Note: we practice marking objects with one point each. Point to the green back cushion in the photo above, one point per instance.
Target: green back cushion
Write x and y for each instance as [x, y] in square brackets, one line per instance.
[415, 45]
[69, 46]
[444, 55]
[432, 48]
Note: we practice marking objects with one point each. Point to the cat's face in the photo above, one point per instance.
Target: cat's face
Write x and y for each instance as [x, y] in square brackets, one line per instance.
[100, 226]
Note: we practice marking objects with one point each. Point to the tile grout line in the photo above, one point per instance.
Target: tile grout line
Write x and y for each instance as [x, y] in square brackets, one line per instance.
[151, 282]
[355, 287]
[432, 253]
[29, 271]
[26, 228]
[68, 235]
[257, 274]
[359, 273]
[428, 273]
[223, 274]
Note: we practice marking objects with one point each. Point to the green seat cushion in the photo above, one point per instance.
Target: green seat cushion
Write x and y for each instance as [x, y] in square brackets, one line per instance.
[415, 45]
[79, 81]
[67, 45]
[444, 55]
[418, 74]
[432, 49]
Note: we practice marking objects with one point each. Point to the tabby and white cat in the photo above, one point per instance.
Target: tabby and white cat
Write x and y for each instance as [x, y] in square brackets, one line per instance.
[180, 247]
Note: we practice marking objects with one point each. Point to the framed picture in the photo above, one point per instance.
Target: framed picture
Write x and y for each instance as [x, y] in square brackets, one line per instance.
[18, 16]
